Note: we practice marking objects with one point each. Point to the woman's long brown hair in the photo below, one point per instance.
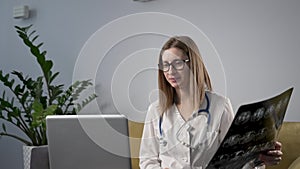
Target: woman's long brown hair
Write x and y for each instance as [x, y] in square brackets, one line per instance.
[199, 77]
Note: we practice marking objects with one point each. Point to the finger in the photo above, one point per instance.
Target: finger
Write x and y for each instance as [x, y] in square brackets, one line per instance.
[276, 153]
[270, 159]
[271, 163]
[278, 145]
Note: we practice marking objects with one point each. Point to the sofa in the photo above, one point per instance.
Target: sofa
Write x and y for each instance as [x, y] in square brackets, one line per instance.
[135, 133]
[289, 136]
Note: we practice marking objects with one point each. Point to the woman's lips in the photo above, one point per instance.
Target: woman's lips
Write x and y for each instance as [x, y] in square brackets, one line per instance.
[174, 80]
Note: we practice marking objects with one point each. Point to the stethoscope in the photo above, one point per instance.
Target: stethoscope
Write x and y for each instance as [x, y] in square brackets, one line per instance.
[200, 112]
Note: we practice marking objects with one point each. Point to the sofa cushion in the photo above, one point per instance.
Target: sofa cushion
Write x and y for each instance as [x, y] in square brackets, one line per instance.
[295, 164]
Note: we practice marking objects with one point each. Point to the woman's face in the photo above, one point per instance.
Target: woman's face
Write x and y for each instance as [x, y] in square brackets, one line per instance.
[178, 78]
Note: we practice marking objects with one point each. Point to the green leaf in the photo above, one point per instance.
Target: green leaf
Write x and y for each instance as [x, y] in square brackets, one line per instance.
[22, 34]
[38, 97]
[44, 53]
[53, 77]
[14, 114]
[5, 104]
[6, 77]
[58, 111]
[39, 45]
[50, 110]
[35, 51]
[37, 106]
[11, 83]
[18, 28]
[17, 89]
[33, 39]
[37, 119]
[32, 33]
[43, 101]
[40, 58]
[24, 97]
[25, 29]
[26, 41]
[18, 74]
[48, 66]
[12, 101]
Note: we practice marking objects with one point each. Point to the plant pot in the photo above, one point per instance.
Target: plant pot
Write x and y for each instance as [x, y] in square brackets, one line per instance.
[36, 157]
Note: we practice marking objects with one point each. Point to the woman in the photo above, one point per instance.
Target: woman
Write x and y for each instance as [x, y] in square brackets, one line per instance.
[185, 127]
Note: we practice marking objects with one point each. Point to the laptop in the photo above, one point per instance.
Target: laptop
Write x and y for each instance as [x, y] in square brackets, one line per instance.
[88, 142]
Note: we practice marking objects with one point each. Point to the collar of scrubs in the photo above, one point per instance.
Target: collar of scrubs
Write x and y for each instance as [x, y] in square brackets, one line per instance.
[204, 110]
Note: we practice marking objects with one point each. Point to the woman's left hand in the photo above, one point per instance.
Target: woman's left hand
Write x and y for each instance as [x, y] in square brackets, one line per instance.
[272, 157]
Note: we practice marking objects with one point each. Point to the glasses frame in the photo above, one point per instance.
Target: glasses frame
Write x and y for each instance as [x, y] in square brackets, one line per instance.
[160, 66]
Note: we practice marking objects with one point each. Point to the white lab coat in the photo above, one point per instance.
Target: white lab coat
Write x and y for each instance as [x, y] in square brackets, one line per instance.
[165, 151]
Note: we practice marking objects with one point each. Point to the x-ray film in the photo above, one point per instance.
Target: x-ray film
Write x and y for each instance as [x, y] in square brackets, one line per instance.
[253, 131]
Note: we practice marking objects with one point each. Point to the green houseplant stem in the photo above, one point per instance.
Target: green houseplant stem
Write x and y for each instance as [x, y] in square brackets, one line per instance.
[34, 98]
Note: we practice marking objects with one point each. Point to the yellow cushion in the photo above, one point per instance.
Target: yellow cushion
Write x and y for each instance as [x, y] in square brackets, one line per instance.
[295, 164]
[135, 133]
[289, 137]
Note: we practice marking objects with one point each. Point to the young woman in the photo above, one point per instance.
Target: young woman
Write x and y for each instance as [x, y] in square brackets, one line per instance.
[185, 127]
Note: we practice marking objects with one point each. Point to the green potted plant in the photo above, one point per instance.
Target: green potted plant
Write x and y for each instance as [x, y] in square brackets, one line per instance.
[32, 99]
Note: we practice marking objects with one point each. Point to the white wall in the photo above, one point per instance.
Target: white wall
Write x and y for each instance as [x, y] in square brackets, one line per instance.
[258, 43]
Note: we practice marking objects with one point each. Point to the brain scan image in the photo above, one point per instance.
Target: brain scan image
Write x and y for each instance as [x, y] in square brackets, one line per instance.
[232, 140]
[269, 111]
[254, 130]
[237, 154]
[278, 106]
[246, 138]
[261, 133]
[243, 118]
[258, 114]
[224, 157]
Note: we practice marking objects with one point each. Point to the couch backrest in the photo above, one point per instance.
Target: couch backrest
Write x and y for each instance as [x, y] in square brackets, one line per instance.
[135, 134]
[289, 136]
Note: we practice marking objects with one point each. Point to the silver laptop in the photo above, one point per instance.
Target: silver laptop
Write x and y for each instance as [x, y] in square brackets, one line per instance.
[88, 142]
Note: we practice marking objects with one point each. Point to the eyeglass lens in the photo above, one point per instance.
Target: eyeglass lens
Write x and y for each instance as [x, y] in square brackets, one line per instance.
[176, 64]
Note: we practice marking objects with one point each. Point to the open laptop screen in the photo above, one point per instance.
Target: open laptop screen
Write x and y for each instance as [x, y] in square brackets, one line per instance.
[88, 141]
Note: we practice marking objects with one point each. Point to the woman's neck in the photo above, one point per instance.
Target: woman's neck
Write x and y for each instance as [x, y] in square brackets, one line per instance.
[184, 103]
[183, 96]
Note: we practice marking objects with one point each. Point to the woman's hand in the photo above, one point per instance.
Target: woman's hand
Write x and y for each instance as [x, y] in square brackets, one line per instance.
[272, 157]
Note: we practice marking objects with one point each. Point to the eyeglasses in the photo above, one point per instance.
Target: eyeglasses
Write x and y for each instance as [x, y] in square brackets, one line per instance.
[176, 64]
